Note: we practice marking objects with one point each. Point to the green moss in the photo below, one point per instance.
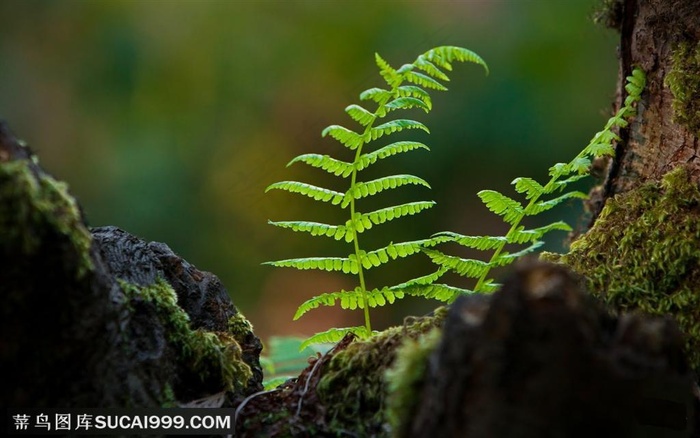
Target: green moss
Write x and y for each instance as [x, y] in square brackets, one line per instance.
[404, 378]
[684, 82]
[353, 387]
[210, 355]
[609, 13]
[168, 399]
[239, 326]
[32, 205]
[644, 253]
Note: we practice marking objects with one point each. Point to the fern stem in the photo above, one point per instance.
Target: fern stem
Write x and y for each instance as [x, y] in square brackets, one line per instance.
[353, 180]
[355, 239]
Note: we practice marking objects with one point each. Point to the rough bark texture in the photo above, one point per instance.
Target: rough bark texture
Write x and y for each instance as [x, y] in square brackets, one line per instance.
[109, 321]
[653, 34]
[541, 359]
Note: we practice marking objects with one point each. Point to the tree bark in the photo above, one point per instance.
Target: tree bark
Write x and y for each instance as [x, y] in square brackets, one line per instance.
[661, 37]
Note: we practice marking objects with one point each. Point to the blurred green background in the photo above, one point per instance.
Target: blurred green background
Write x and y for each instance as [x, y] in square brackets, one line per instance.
[169, 118]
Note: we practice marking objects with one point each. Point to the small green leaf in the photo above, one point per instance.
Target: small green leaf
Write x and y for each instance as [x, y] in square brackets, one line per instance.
[348, 138]
[315, 192]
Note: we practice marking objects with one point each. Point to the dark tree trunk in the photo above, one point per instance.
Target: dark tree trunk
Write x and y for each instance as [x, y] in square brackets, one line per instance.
[661, 37]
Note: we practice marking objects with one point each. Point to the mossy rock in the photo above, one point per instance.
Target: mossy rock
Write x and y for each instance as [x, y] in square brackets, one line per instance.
[643, 252]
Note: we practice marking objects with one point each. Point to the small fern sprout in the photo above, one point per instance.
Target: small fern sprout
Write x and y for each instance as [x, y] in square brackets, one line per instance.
[513, 212]
[406, 88]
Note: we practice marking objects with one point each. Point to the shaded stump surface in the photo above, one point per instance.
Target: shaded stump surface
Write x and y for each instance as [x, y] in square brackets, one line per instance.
[542, 359]
[105, 319]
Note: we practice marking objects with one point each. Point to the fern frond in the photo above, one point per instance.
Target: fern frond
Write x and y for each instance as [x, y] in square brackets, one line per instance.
[561, 185]
[542, 206]
[392, 251]
[365, 221]
[351, 139]
[376, 95]
[521, 235]
[360, 115]
[395, 148]
[395, 126]
[315, 192]
[407, 103]
[334, 335]
[338, 264]
[502, 205]
[416, 92]
[325, 162]
[441, 292]
[444, 55]
[423, 64]
[464, 267]
[506, 258]
[369, 188]
[477, 242]
[390, 75]
[421, 281]
[529, 186]
[417, 78]
[314, 228]
[348, 300]
[406, 90]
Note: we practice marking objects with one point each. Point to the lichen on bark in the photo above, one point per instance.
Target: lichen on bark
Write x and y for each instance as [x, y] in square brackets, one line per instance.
[643, 253]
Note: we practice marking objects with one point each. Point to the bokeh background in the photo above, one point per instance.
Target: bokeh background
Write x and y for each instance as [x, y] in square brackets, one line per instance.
[169, 118]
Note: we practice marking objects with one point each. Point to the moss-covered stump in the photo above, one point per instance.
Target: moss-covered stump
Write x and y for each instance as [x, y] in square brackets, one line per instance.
[343, 393]
[643, 252]
[87, 323]
[541, 359]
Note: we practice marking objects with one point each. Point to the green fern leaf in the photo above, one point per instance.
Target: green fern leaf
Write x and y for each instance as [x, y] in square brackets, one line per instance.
[395, 126]
[444, 55]
[431, 69]
[510, 209]
[600, 150]
[477, 242]
[421, 281]
[314, 228]
[542, 206]
[315, 192]
[521, 235]
[395, 148]
[338, 264]
[392, 251]
[407, 103]
[376, 95]
[441, 292]
[561, 185]
[325, 162]
[506, 258]
[334, 335]
[348, 300]
[365, 221]
[360, 115]
[369, 188]
[529, 186]
[346, 137]
[464, 267]
[416, 92]
[390, 75]
[417, 78]
[580, 165]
